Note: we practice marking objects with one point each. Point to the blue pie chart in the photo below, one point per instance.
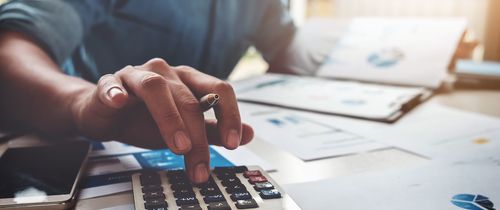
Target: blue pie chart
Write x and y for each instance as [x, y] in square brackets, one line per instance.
[472, 202]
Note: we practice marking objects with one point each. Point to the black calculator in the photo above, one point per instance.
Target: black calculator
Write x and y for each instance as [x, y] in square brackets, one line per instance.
[239, 187]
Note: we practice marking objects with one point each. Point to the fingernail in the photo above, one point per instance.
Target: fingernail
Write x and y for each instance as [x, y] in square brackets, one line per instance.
[233, 139]
[181, 141]
[200, 173]
[114, 91]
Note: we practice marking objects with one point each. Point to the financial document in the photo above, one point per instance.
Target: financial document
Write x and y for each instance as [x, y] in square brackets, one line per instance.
[348, 98]
[431, 130]
[406, 51]
[440, 185]
[302, 134]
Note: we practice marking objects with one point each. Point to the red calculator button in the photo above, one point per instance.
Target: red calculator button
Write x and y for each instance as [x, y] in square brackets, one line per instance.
[247, 174]
[255, 179]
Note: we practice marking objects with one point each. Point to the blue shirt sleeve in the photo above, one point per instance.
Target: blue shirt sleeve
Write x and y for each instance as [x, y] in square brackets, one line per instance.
[57, 26]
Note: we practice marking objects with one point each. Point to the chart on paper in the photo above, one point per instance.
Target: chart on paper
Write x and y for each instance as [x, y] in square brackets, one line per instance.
[303, 135]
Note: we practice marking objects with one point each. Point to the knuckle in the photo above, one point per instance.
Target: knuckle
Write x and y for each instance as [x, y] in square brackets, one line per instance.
[157, 63]
[125, 70]
[190, 105]
[224, 87]
[199, 148]
[171, 117]
[152, 81]
[105, 79]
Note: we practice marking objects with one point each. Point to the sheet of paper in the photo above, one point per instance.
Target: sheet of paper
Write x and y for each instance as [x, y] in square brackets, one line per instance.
[431, 130]
[432, 186]
[407, 51]
[109, 169]
[302, 134]
[356, 99]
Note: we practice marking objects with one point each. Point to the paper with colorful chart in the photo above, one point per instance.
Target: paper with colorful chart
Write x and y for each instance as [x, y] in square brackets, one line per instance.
[405, 51]
[368, 101]
[437, 185]
[304, 135]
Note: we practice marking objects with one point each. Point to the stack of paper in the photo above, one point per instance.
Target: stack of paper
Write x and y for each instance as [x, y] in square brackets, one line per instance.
[361, 100]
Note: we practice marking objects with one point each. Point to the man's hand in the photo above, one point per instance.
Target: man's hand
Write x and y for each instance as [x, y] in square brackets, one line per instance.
[156, 104]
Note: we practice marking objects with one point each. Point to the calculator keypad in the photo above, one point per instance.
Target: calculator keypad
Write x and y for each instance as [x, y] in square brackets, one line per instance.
[227, 188]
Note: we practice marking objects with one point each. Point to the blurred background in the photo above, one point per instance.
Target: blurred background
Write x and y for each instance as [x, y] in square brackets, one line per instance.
[482, 41]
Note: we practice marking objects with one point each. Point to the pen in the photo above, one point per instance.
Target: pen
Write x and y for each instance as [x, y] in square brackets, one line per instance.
[208, 101]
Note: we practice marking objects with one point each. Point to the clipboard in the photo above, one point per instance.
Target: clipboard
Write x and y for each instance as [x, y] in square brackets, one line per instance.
[384, 103]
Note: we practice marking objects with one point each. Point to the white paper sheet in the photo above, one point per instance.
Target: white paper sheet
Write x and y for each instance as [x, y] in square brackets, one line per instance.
[407, 51]
[426, 187]
[379, 102]
[431, 130]
[302, 134]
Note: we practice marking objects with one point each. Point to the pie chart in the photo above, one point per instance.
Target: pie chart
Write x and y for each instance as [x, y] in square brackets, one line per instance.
[472, 202]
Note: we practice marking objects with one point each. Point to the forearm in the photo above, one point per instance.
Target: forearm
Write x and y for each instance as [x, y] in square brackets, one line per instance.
[34, 93]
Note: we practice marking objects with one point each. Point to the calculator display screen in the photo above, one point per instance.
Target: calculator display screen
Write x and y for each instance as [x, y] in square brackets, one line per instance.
[39, 172]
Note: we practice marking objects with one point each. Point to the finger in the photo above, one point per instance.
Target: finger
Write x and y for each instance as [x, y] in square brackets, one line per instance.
[213, 134]
[111, 92]
[197, 160]
[153, 90]
[226, 111]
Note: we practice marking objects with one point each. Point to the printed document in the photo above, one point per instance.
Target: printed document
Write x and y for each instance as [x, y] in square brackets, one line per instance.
[437, 185]
[404, 51]
[302, 134]
[361, 100]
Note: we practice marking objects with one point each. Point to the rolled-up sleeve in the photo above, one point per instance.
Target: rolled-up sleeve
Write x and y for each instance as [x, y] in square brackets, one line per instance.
[274, 31]
[55, 25]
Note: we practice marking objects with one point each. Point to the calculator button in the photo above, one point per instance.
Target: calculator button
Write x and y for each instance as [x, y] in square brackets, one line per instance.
[263, 186]
[209, 183]
[183, 192]
[214, 198]
[236, 188]
[240, 169]
[180, 185]
[247, 174]
[159, 208]
[218, 170]
[148, 179]
[176, 173]
[255, 179]
[222, 205]
[153, 195]
[186, 201]
[270, 194]
[155, 204]
[225, 175]
[210, 190]
[152, 188]
[231, 181]
[190, 207]
[241, 196]
[246, 204]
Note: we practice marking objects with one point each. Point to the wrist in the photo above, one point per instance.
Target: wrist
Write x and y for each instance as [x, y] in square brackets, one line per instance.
[76, 100]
